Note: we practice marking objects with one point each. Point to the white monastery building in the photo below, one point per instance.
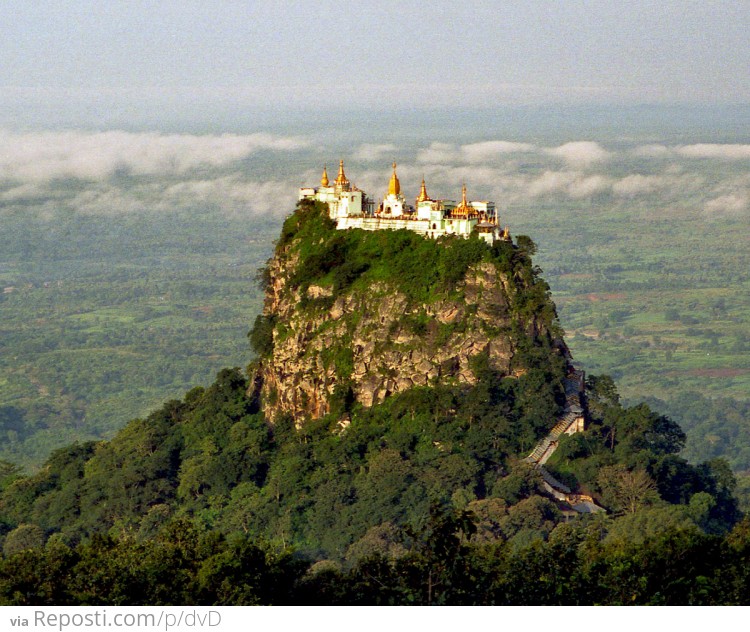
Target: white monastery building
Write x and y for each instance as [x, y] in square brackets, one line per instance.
[352, 208]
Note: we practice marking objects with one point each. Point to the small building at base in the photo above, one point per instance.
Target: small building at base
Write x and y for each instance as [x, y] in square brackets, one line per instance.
[352, 208]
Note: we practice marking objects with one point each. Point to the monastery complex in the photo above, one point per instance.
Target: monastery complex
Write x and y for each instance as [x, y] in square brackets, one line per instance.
[350, 207]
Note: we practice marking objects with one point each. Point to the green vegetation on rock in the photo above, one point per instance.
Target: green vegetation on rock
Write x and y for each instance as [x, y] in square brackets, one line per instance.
[354, 316]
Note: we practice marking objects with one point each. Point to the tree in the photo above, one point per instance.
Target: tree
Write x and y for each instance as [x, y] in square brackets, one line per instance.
[8, 473]
[526, 244]
[261, 335]
[24, 537]
[438, 555]
[384, 539]
[626, 490]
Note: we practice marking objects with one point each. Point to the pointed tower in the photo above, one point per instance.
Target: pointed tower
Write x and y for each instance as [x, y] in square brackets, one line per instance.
[341, 182]
[394, 186]
[394, 203]
[423, 197]
[425, 204]
[344, 200]
[463, 209]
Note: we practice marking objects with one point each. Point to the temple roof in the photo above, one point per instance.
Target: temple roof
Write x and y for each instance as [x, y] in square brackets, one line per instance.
[341, 179]
[423, 197]
[394, 186]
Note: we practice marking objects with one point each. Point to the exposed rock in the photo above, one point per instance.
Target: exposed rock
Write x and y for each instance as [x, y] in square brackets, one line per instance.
[317, 291]
[375, 342]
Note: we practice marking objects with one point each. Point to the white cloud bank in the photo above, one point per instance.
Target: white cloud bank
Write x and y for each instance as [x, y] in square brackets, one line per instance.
[438, 153]
[665, 178]
[489, 150]
[700, 151]
[715, 151]
[225, 172]
[580, 153]
[370, 152]
[472, 153]
[96, 155]
[166, 171]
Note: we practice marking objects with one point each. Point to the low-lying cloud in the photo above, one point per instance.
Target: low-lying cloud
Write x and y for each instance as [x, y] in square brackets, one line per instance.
[713, 150]
[370, 152]
[699, 151]
[119, 172]
[686, 177]
[580, 153]
[489, 150]
[438, 153]
[96, 155]
[575, 153]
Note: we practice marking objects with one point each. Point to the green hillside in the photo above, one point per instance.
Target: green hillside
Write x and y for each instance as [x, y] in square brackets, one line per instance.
[421, 498]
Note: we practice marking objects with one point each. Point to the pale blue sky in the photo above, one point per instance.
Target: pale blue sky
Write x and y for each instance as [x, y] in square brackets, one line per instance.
[213, 53]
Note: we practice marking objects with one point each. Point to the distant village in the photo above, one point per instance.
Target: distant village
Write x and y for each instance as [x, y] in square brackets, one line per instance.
[351, 207]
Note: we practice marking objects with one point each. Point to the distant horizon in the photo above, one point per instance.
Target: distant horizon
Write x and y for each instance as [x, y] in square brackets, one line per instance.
[731, 121]
[120, 63]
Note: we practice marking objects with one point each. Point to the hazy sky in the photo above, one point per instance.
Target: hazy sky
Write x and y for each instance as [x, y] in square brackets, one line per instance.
[138, 54]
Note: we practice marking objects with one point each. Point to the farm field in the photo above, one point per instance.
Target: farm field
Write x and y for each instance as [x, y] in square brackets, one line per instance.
[100, 332]
[656, 306]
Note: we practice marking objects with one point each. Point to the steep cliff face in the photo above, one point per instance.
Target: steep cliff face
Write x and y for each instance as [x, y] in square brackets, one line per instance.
[355, 317]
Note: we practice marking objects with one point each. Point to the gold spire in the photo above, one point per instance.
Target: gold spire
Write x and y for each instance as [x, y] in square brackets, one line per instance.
[341, 178]
[463, 209]
[394, 186]
[423, 193]
[324, 179]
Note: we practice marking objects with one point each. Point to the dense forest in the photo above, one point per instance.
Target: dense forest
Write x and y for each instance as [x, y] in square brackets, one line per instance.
[421, 499]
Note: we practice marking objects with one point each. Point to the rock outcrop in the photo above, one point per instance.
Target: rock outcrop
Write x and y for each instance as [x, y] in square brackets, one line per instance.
[370, 340]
